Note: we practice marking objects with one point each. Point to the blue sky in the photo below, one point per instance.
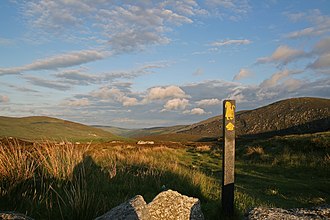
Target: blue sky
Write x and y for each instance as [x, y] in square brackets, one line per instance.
[159, 63]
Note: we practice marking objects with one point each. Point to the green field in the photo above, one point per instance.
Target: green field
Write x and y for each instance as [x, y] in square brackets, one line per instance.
[45, 128]
[48, 181]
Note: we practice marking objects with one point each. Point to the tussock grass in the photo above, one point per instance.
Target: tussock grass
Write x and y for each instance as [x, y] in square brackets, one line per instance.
[80, 182]
[58, 161]
[16, 163]
[51, 181]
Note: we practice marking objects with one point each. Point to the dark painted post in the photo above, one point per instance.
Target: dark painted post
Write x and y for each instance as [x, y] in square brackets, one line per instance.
[228, 159]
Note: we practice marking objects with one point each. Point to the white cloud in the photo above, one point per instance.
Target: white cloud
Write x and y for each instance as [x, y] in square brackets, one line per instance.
[161, 93]
[48, 83]
[59, 61]
[77, 76]
[230, 42]
[107, 94]
[208, 102]
[237, 95]
[195, 111]
[125, 26]
[176, 104]
[186, 7]
[243, 73]
[229, 9]
[78, 102]
[106, 104]
[283, 55]
[127, 101]
[4, 98]
[81, 77]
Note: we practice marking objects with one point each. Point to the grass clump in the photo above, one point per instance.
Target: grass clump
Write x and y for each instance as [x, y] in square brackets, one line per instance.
[58, 161]
[16, 163]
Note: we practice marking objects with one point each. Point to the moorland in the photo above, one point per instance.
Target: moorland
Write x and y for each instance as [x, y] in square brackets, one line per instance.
[56, 169]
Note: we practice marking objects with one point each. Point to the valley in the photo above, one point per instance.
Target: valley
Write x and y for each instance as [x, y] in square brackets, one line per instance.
[51, 168]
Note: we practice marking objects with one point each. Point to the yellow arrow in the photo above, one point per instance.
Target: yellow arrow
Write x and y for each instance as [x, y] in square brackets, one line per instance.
[230, 126]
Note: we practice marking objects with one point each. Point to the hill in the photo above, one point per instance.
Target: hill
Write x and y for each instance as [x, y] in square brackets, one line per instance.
[290, 116]
[40, 127]
[141, 132]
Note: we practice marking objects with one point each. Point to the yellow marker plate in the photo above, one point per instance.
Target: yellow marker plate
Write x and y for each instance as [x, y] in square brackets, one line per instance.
[229, 111]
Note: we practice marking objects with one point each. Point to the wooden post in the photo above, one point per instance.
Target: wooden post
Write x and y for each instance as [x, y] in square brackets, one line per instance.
[228, 159]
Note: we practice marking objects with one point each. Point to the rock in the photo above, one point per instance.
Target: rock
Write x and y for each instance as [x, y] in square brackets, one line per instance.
[13, 215]
[172, 205]
[315, 213]
[132, 209]
[166, 205]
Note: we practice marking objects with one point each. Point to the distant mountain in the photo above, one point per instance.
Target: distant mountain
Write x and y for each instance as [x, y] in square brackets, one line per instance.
[140, 132]
[40, 127]
[290, 116]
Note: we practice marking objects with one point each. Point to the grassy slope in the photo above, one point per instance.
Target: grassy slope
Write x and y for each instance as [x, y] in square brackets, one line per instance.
[115, 130]
[141, 132]
[39, 127]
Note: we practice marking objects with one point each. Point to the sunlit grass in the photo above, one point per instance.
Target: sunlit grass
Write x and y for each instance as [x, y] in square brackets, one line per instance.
[51, 181]
[58, 161]
[16, 163]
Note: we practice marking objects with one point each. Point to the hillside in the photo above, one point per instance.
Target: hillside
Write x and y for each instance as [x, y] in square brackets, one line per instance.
[141, 132]
[290, 116]
[40, 127]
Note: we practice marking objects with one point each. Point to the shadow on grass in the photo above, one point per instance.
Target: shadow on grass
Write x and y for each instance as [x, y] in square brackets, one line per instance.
[283, 187]
[93, 190]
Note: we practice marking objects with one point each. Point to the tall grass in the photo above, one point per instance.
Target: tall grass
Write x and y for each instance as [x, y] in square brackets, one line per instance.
[16, 163]
[51, 181]
[59, 161]
[79, 182]
[77, 200]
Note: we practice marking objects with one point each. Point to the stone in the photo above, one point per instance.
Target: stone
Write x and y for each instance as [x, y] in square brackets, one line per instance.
[13, 215]
[166, 205]
[172, 205]
[132, 209]
[315, 213]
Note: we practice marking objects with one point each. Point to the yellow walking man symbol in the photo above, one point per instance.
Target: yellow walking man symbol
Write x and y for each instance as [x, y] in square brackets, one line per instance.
[229, 111]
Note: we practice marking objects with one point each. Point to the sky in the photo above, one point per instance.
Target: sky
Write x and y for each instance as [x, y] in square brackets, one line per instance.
[144, 63]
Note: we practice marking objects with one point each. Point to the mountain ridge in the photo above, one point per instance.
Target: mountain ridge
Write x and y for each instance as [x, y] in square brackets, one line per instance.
[288, 116]
[277, 116]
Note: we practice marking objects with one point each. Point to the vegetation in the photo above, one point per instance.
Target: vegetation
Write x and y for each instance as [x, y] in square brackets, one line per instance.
[40, 128]
[48, 180]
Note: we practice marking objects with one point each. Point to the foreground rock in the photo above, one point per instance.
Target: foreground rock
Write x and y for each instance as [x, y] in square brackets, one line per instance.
[134, 208]
[13, 215]
[322, 212]
[166, 205]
